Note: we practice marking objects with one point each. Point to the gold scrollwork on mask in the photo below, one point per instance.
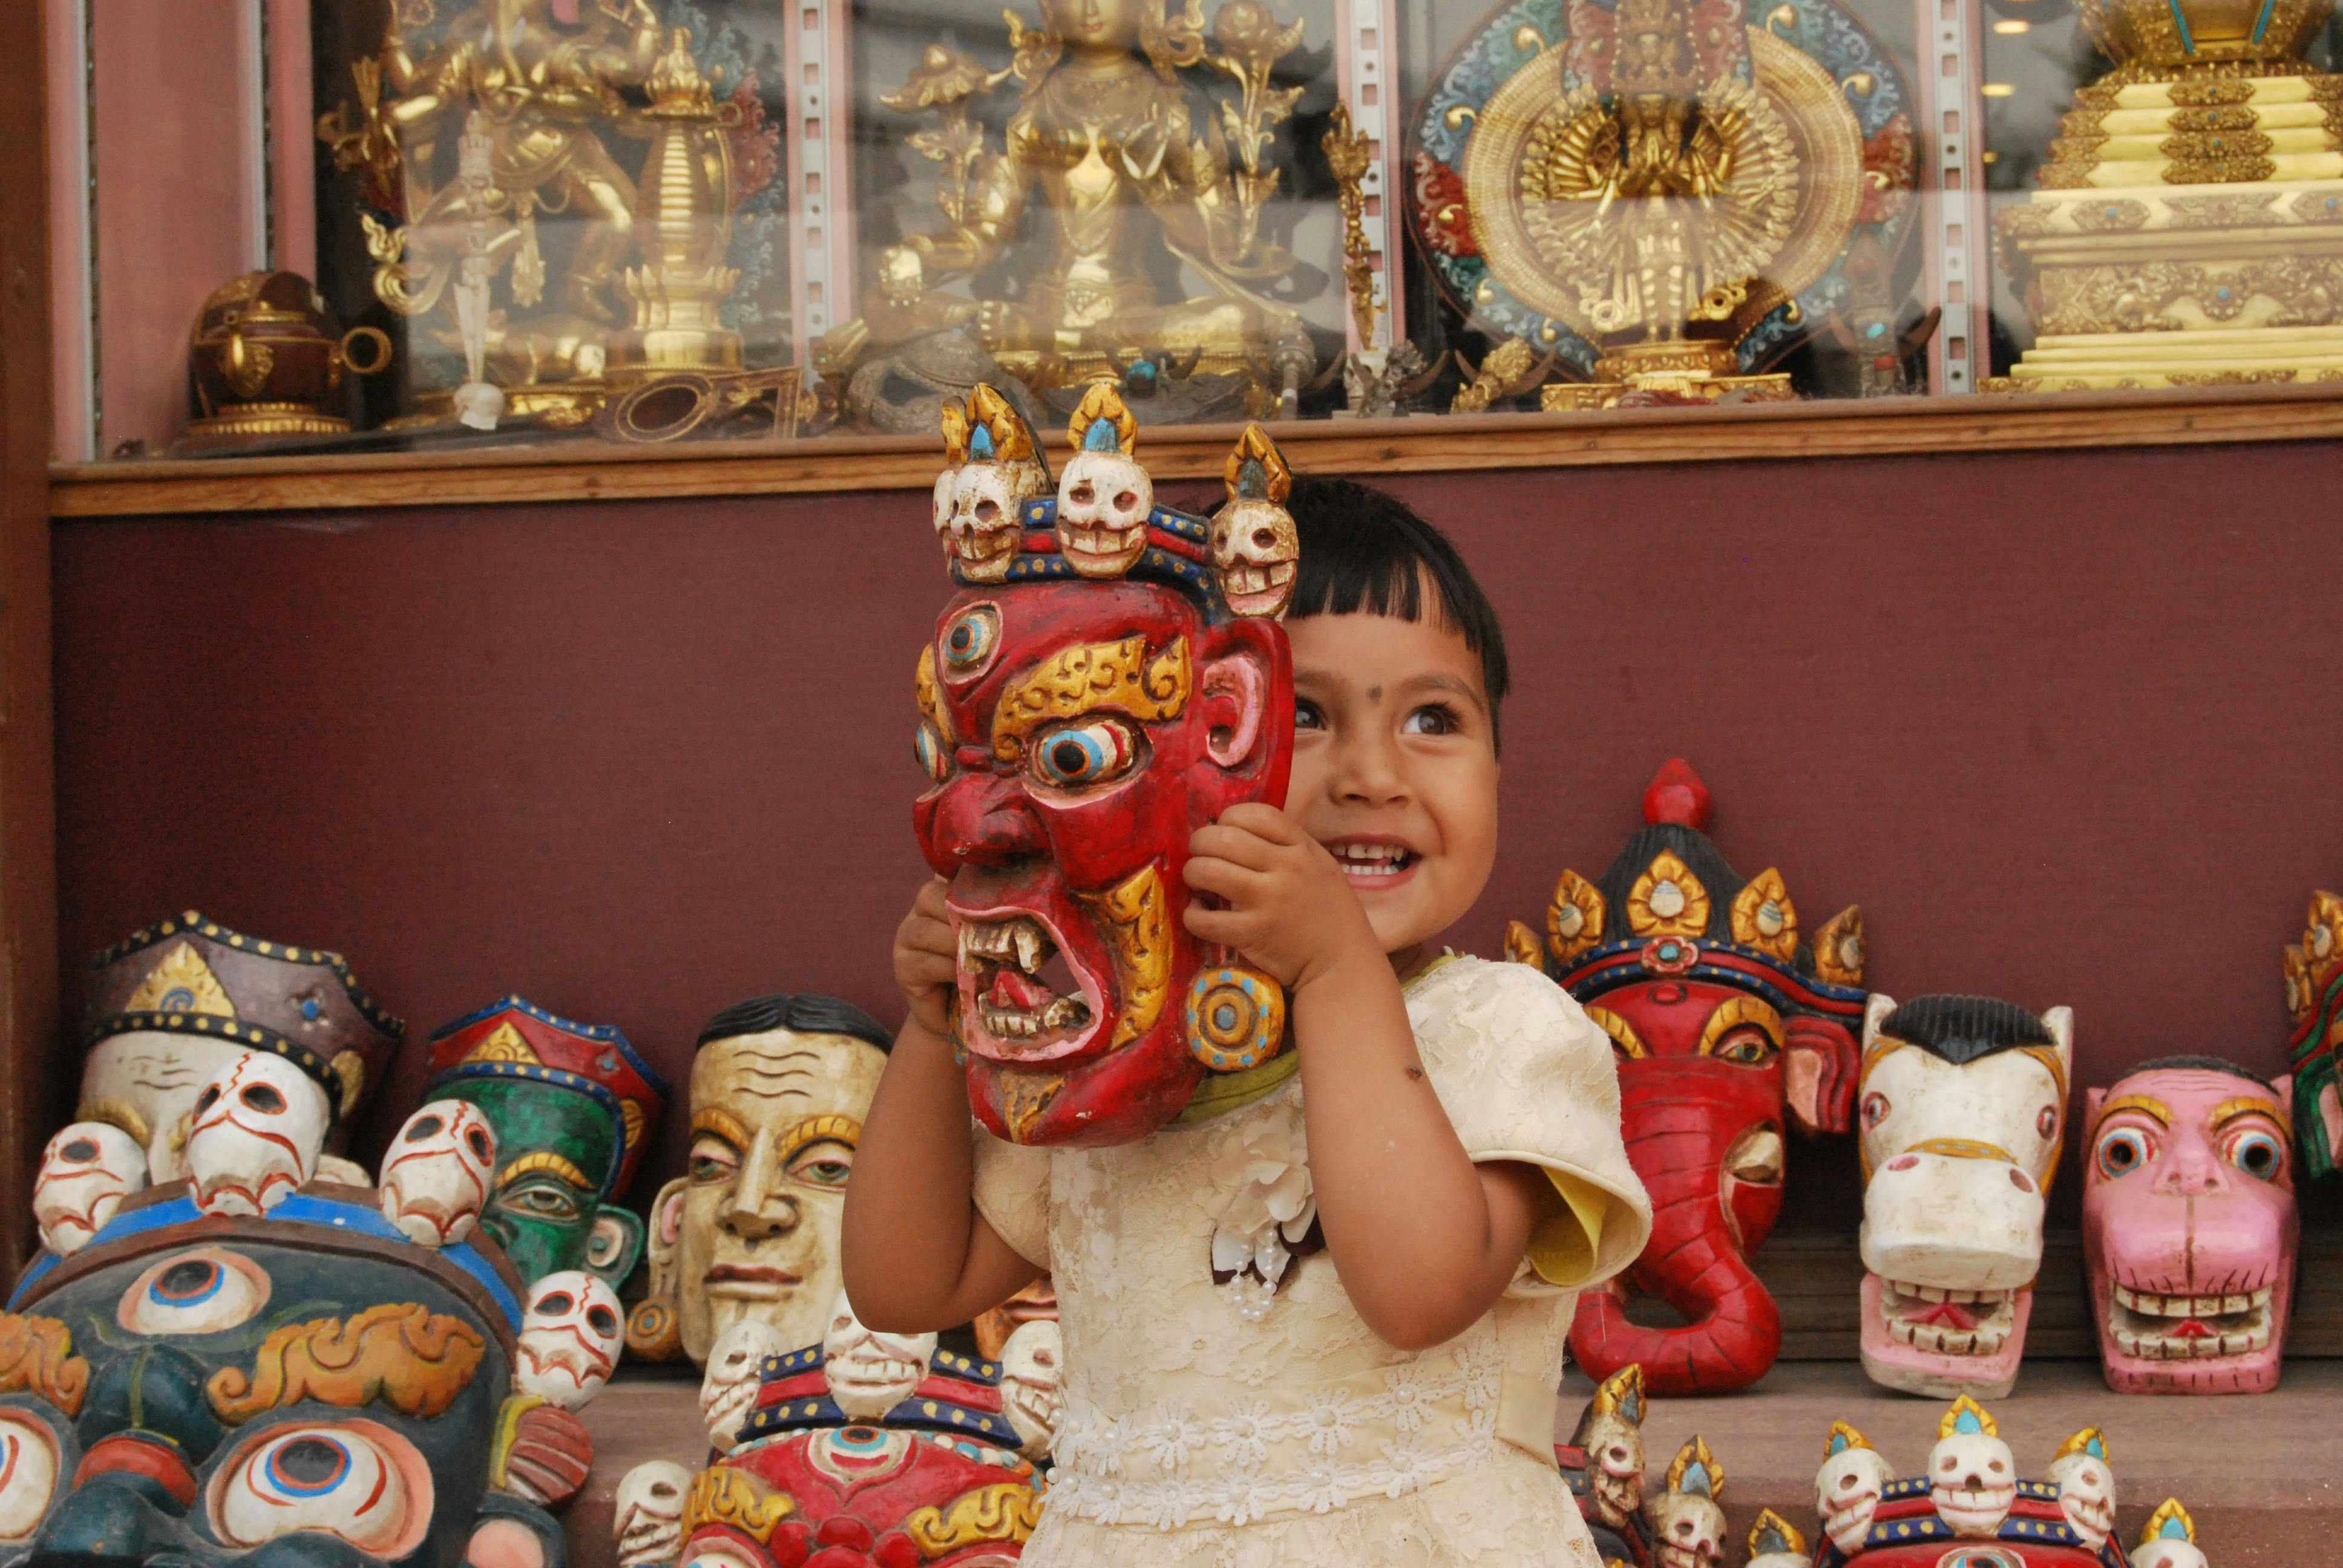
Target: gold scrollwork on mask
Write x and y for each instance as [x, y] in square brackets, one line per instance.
[1622, 1034]
[1764, 918]
[37, 1357]
[1839, 948]
[504, 1044]
[1667, 899]
[721, 1495]
[1086, 676]
[1574, 921]
[1137, 923]
[932, 707]
[1737, 1012]
[413, 1358]
[1522, 945]
[990, 1514]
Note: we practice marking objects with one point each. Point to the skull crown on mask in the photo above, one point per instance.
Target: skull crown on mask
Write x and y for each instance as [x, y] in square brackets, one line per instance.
[570, 1338]
[870, 1372]
[1032, 1379]
[86, 1170]
[735, 1363]
[258, 1129]
[437, 1172]
[1090, 698]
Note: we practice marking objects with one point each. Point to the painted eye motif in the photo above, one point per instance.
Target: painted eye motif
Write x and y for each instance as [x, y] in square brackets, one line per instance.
[28, 1474]
[356, 1480]
[713, 1159]
[935, 761]
[824, 1164]
[1875, 1109]
[1745, 1047]
[1081, 755]
[2047, 1123]
[2257, 1151]
[2122, 1151]
[971, 641]
[203, 1291]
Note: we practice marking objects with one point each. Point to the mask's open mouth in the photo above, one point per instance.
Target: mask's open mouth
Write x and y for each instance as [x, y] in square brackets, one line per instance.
[1020, 998]
[2187, 1328]
[1952, 1323]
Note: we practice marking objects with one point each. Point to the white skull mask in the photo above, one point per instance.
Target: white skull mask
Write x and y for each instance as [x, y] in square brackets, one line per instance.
[942, 513]
[1033, 1376]
[736, 1362]
[570, 1338]
[437, 1172]
[86, 1170]
[985, 520]
[258, 1129]
[2086, 1495]
[1103, 502]
[1614, 1468]
[870, 1373]
[648, 1513]
[1256, 550]
[1847, 1495]
[1687, 1530]
[1973, 1481]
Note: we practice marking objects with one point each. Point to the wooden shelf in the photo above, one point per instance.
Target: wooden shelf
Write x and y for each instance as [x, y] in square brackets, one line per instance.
[2256, 1497]
[588, 470]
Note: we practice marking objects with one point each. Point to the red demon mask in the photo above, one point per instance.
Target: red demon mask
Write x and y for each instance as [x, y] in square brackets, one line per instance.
[1089, 701]
[1726, 1024]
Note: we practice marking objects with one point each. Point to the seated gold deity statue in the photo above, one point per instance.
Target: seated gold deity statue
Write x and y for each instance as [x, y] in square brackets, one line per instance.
[1106, 138]
[529, 86]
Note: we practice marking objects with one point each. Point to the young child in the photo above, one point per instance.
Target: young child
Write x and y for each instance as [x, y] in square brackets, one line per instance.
[1397, 1230]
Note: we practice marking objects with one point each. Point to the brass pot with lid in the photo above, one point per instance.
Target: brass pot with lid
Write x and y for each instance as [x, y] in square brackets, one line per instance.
[266, 360]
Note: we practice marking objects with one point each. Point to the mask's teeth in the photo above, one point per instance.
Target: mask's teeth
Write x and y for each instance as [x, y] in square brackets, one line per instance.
[1028, 947]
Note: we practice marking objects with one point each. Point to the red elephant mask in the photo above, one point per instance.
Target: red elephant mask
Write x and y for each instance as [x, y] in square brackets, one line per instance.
[1091, 696]
[1723, 1021]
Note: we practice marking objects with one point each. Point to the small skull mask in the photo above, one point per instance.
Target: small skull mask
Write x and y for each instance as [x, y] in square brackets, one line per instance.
[870, 1373]
[1031, 1384]
[2086, 1487]
[1256, 550]
[86, 1170]
[1973, 1481]
[735, 1361]
[437, 1173]
[942, 513]
[258, 1129]
[648, 1513]
[1103, 502]
[985, 519]
[1846, 1493]
[570, 1338]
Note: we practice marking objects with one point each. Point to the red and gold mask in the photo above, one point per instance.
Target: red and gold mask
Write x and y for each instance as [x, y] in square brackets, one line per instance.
[1091, 696]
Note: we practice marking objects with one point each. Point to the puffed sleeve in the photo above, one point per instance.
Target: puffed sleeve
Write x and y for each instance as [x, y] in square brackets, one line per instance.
[1012, 1193]
[1525, 1075]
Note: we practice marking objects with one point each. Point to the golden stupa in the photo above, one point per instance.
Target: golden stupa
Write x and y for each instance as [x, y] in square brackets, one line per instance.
[2188, 228]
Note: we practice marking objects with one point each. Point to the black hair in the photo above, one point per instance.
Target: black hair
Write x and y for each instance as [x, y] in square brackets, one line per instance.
[1964, 1028]
[806, 1012]
[1366, 549]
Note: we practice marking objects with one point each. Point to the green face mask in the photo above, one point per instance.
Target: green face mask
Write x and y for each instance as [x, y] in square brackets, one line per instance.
[545, 1210]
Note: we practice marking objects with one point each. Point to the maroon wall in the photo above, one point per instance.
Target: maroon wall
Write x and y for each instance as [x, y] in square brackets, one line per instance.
[2065, 724]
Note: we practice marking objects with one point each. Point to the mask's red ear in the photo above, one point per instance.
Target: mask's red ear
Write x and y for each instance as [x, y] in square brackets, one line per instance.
[1244, 699]
[1819, 1072]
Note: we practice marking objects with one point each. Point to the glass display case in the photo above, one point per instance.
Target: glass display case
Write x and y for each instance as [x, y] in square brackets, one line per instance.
[439, 224]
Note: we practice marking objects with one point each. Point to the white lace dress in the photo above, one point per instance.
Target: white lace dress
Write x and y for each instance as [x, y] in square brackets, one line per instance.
[1233, 1425]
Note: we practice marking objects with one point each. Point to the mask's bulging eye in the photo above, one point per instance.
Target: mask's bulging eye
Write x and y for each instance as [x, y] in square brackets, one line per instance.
[1081, 755]
[971, 641]
[204, 1292]
[2122, 1151]
[355, 1479]
[2257, 1151]
[28, 1474]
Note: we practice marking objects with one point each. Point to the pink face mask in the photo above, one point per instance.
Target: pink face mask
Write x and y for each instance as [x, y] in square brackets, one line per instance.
[2189, 1227]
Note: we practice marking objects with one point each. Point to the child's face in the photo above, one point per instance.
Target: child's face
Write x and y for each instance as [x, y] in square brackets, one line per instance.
[1395, 767]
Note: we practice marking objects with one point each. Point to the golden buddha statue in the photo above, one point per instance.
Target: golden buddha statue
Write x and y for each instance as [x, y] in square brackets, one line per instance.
[1104, 138]
[529, 93]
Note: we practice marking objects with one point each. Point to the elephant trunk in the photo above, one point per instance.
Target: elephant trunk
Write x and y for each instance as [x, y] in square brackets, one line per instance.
[1680, 1144]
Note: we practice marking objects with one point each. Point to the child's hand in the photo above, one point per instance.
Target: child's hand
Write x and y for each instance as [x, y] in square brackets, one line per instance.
[927, 960]
[1290, 912]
